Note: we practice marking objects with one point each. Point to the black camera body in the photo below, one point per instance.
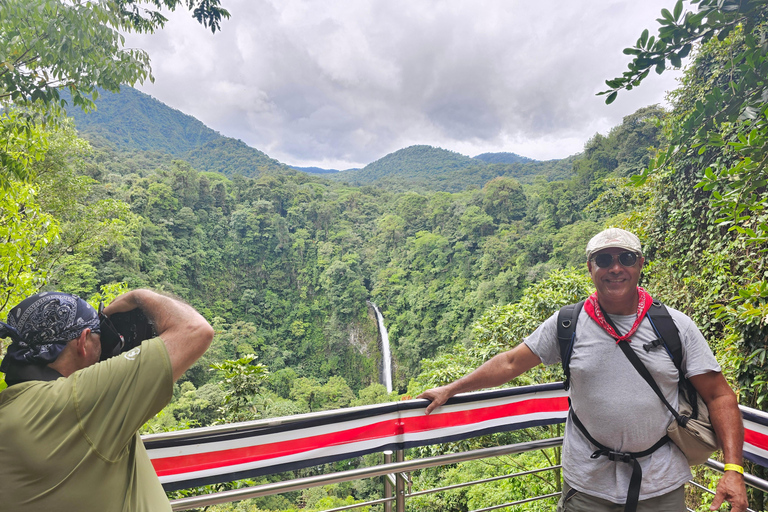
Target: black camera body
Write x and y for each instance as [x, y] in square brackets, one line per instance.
[122, 332]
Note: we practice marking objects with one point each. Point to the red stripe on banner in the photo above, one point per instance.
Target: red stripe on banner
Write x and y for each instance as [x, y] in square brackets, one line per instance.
[383, 429]
[756, 438]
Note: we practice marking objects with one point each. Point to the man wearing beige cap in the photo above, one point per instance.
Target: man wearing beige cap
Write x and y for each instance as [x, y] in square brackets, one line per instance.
[616, 406]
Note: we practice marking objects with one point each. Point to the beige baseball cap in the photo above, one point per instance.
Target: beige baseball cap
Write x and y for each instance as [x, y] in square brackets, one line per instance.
[614, 237]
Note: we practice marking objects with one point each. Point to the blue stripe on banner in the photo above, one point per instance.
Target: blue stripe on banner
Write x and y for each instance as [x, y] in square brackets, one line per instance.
[751, 457]
[305, 463]
[754, 416]
[198, 440]
[265, 427]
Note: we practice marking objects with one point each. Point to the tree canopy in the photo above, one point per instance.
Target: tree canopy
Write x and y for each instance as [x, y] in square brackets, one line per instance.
[48, 45]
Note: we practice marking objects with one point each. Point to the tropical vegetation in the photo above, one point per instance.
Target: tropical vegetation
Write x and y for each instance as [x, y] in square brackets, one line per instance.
[463, 256]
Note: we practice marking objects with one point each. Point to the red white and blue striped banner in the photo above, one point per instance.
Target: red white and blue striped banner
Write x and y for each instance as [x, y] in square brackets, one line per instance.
[219, 454]
[210, 455]
[755, 436]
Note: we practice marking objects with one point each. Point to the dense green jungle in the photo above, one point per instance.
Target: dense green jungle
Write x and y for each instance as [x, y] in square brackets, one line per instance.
[464, 257]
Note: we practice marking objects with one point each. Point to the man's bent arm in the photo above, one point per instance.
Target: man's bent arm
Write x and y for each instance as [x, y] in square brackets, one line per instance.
[497, 371]
[729, 427]
[186, 334]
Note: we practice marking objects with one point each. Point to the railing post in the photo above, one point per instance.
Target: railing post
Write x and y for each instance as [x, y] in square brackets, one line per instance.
[387, 482]
[400, 485]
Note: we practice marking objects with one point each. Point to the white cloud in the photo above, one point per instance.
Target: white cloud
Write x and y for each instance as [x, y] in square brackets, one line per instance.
[342, 83]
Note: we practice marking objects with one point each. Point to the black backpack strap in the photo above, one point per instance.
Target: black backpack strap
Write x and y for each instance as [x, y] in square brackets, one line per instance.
[566, 334]
[666, 330]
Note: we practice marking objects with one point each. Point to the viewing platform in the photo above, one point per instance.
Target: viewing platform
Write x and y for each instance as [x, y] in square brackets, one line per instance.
[212, 455]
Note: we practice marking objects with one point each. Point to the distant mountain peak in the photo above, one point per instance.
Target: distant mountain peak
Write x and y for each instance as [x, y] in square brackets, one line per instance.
[137, 121]
[418, 159]
[503, 158]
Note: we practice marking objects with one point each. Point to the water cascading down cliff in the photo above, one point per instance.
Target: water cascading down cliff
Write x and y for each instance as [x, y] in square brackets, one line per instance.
[386, 357]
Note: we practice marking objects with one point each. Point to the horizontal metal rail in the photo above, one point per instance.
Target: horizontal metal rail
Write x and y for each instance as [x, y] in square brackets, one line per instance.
[750, 480]
[513, 503]
[414, 465]
[455, 486]
[358, 505]
[355, 474]
[483, 481]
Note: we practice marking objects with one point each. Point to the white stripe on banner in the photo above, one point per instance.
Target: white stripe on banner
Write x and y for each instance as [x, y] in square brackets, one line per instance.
[755, 436]
[218, 454]
[297, 443]
[175, 451]
[369, 446]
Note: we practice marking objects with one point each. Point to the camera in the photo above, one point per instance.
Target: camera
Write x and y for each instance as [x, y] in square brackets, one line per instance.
[121, 332]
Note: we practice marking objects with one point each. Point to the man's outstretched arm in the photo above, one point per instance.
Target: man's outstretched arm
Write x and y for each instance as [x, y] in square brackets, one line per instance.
[726, 420]
[497, 371]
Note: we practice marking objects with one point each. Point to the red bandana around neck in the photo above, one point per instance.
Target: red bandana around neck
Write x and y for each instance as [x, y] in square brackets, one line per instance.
[592, 307]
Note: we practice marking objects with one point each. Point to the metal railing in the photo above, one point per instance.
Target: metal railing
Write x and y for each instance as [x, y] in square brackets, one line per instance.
[397, 479]
[213, 455]
[393, 468]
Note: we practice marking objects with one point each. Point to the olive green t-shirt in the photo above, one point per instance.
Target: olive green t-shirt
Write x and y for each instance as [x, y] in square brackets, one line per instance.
[72, 444]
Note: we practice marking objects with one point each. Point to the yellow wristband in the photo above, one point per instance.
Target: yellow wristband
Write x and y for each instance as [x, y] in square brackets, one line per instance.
[734, 467]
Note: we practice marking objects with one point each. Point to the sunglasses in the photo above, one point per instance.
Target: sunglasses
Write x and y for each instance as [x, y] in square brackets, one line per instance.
[605, 260]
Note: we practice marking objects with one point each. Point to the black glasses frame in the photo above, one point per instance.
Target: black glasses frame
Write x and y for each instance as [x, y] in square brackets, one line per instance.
[605, 260]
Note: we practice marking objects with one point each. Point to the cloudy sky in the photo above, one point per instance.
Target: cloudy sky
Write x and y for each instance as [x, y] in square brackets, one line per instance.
[339, 84]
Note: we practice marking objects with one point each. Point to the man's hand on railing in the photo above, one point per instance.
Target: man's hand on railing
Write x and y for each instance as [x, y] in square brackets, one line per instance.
[499, 370]
[438, 396]
[731, 488]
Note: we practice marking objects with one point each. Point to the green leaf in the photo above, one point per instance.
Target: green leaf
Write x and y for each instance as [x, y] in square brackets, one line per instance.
[643, 39]
[724, 33]
[611, 97]
[678, 9]
[694, 20]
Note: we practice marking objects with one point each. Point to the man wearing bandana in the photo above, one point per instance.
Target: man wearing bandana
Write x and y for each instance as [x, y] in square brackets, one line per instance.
[69, 423]
[615, 404]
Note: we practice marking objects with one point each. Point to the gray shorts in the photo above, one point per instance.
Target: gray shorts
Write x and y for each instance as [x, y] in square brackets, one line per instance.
[575, 501]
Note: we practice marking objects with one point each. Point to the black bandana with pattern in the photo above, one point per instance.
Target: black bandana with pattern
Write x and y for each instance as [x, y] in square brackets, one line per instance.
[42, 325]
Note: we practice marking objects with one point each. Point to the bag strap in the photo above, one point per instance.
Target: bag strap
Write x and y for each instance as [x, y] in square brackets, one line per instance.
[566, 334]
[666, 330]
[645, 374]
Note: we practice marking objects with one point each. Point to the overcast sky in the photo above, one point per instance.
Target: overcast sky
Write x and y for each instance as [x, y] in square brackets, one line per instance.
[339, 84]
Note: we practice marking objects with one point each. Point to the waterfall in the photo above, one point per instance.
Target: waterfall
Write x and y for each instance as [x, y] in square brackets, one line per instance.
[385, 354]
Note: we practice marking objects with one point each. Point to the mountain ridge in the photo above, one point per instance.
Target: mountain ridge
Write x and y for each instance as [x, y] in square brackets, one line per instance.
[132, 120]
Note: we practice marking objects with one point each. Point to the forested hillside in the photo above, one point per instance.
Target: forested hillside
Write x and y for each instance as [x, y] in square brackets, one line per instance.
[133, 121]
[502, 158]
[425, 168]
[293, 258]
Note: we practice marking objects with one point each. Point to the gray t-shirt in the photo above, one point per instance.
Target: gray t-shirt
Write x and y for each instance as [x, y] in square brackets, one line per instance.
[618, 407]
